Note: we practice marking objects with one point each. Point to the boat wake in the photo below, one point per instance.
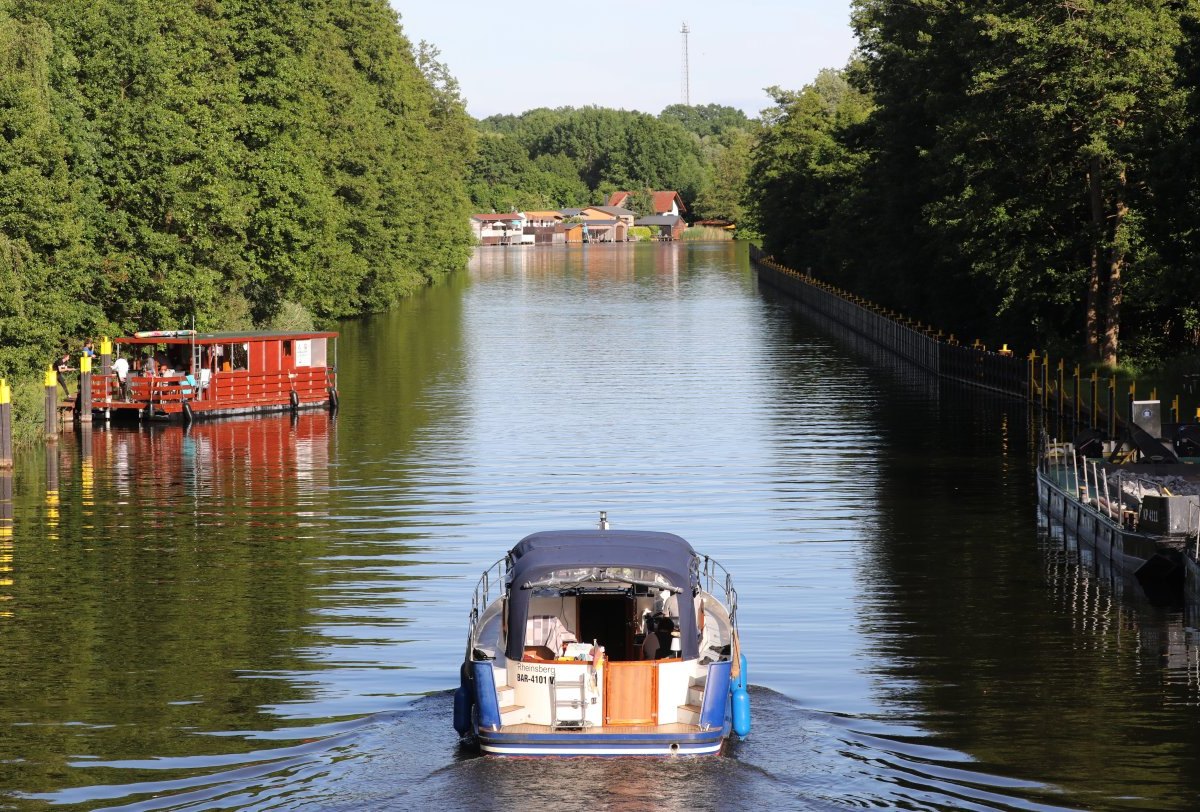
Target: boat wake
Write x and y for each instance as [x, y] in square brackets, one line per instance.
[795, 758]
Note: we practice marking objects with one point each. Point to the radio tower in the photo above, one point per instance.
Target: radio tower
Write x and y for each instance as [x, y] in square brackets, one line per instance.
[687, 90]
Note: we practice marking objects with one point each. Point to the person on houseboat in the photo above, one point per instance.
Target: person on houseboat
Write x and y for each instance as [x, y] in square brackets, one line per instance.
[88, 349]
[120, 368]
[62, 366]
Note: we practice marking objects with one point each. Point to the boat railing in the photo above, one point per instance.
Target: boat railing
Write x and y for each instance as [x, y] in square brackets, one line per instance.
[714, 576]
[493, 580]
[241, 386]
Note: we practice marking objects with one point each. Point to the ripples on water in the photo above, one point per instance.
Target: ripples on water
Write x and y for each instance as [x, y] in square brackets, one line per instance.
[268, 614]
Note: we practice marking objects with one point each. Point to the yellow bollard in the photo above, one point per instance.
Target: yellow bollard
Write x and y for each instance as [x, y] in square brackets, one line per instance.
[84, 412]
[51, 415]
[5, 424]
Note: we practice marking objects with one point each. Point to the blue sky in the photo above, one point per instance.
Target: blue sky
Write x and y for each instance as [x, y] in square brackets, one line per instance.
[512, 57]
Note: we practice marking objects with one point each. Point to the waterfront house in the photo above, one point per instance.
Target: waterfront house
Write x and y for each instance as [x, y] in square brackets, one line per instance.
[665, 203]
[542, 219]
[663, 226]
[624, 219]
[501, 229]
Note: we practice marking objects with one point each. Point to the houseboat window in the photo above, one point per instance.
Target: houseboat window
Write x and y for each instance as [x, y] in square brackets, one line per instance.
[287, 349]
[239, 356]
[317, 353]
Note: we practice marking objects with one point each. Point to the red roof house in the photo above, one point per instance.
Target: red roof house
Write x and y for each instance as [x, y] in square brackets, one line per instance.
[664, 202]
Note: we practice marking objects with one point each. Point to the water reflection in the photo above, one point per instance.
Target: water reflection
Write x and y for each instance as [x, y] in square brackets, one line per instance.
[268, 613]
[152, 599]
[6, 543]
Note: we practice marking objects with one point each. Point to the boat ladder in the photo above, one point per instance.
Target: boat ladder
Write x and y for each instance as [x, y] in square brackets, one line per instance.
[569, 694]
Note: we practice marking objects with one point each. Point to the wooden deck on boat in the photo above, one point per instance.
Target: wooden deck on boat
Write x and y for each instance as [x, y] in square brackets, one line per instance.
[674, 727]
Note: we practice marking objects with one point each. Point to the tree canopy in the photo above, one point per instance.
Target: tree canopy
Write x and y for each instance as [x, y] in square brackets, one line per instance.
[574, 156]
[168, 161]
[1014, 171]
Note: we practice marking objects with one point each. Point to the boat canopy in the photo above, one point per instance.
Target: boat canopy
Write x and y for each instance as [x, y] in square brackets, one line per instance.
[630, 556]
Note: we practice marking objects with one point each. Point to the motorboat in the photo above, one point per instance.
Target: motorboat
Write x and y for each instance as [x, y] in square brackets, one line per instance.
[603, 642]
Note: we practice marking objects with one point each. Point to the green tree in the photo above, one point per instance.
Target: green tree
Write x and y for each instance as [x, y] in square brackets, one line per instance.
[802, 170]
[1063, 99]
[727, 190]
[705, 121]
[44, 261]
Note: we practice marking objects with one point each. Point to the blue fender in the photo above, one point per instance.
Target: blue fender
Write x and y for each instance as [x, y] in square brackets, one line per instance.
[463, 700]
[741, 702]
[484, 696]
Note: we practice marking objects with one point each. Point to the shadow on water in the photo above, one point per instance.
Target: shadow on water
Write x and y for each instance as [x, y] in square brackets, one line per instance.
[795, 759]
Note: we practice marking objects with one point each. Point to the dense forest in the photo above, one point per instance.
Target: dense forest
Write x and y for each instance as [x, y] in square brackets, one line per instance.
[1025, 172]
[572, 157]
[240, 163]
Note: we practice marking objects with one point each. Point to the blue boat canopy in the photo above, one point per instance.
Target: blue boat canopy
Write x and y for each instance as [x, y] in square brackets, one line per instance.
[537, 556]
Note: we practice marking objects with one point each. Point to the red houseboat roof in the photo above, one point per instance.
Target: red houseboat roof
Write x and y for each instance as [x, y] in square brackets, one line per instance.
[190, 337]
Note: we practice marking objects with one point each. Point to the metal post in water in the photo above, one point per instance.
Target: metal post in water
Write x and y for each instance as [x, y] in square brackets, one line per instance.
[1031, 381]
[1121, 498]
[6, 455]
[1112, 407]
[1062, 395]
[84, 412]
[1095, 413]
[1079, 400]
[51, 383]
[1045, 382]
[106, 359]
[1107, 498]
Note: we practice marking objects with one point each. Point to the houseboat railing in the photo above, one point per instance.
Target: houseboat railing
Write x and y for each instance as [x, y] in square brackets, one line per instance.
[309, 384]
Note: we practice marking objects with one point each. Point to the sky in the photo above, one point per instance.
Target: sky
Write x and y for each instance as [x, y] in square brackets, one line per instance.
[513, 57]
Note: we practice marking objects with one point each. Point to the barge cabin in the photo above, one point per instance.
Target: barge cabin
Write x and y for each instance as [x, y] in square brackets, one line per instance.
[183, 375]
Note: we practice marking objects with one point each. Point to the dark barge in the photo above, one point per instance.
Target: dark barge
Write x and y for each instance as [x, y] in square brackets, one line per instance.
[1136, 502]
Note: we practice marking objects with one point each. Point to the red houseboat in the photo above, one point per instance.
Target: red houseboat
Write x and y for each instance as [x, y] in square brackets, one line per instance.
[185, 375]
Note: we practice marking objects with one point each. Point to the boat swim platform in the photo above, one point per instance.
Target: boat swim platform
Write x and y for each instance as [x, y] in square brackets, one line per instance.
[673, 728]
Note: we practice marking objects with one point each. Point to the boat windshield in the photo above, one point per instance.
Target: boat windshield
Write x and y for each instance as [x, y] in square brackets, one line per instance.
[579, 576]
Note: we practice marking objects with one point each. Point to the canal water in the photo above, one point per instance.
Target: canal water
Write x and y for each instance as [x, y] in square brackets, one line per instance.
[270, 614]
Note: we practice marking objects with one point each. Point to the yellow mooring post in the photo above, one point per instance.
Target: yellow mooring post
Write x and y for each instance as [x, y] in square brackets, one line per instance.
[1031, 381]
[1062, 382]
[6, 450]
[1175, 409]
[51, 405]
[1112, 407]
[1045, 381]
[1094, 418]
[1078, 398]
[106, 358]
[85, 389]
